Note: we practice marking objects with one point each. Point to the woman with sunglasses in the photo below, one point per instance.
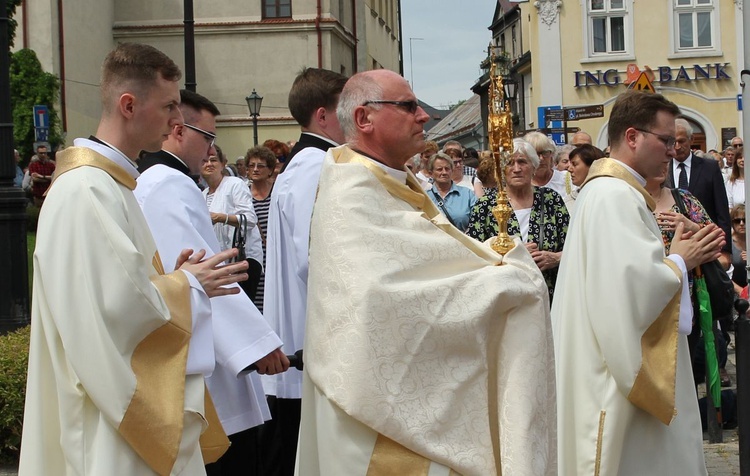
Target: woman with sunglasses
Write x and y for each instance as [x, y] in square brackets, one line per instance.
[739, 251]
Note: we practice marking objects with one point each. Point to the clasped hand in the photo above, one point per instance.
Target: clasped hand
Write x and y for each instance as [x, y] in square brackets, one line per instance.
[211, 273]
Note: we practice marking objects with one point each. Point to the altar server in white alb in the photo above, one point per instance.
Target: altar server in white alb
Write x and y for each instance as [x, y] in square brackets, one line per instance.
[119, 349]
[179, 218]
[626, 398]
[438, 361]
[312, 102]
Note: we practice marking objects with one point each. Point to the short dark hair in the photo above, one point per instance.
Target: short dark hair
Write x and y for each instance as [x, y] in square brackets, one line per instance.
[314, 88]
[587, 153]
[196, 102]
[263, 153]
[637, 109]
[135, 66]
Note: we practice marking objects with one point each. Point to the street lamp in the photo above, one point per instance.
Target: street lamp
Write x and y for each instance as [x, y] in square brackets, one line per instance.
[510, 87]
[253, 104]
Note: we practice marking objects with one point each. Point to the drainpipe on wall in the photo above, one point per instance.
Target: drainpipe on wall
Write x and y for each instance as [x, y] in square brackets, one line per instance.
[61, 40]
[354, 32]
[25, 23]
[400, 43]
[320, 35]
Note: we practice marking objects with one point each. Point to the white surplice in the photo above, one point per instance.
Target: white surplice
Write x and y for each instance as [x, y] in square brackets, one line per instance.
[285, 295]
[177, 214]
[423, 355]
[107, 389]
[626, 397]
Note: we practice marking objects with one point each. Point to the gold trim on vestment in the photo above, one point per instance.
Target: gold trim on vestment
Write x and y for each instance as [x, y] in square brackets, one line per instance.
[606, 167]
[74, 157]
[157, 264]
[153, 422]
[599, 443]
[413, 194]
[214, 441]
[391, 459]
[654, 388]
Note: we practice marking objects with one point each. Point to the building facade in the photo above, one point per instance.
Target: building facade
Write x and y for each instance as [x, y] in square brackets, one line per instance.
[239, 46]
[584, 53]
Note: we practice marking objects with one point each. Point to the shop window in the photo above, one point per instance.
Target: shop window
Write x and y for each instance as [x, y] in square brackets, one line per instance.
[608, 28]
[695, 25]
[277, 9]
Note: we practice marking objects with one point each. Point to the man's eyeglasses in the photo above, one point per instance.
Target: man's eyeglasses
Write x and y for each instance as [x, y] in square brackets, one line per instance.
[737, 221]
[210, 136]
[410, 106]
[668, 141]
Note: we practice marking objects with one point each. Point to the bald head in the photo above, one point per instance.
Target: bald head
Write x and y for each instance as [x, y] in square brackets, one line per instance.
[380, 116]
[581, 138]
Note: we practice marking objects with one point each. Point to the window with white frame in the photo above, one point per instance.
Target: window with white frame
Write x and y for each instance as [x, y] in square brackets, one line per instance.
[694, 25]
[608, 24]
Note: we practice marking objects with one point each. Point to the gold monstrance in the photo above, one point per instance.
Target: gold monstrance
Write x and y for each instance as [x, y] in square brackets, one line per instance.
[500, 129]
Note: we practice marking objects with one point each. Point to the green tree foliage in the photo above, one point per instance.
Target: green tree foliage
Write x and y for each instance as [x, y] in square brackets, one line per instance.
[14, 358]
[29, 86]
[10, 8]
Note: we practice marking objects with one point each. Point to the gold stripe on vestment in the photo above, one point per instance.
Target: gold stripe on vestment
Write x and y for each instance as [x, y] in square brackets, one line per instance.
[599, 443]
[392, 459]
[654, 388]
[606, 167]
[214, 441]
[153, 422]
[413, 194]
[74, 157]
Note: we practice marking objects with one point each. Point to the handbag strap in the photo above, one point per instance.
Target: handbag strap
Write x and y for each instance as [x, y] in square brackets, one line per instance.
[679, 201]
[440, 203]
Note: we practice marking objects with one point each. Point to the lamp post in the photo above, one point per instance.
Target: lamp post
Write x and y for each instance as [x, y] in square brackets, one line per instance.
[411, 60]
[253, 104]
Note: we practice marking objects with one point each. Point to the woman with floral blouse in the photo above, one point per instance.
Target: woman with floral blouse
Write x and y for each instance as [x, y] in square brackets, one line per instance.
[539, 214]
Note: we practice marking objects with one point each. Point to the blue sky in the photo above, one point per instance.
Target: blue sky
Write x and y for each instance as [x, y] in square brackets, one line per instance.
[456, 35]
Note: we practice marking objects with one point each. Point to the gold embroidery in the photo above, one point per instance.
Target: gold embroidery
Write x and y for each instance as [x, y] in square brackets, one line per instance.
[611, 168]
[598, 463]
[391, 459]
[74, 157]
[153, 421]
[157, 264]
[654, 388]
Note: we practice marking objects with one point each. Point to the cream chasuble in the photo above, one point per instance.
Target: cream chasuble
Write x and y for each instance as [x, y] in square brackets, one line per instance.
[626, 399]
[422, 354]
[107, 391]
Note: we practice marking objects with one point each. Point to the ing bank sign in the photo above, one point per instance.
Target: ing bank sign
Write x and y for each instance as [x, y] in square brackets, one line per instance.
[663, 74]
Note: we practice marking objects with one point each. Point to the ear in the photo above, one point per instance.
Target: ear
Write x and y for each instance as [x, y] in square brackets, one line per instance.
[362, 119]
[631, 136]
[319, 116]
[126, 104]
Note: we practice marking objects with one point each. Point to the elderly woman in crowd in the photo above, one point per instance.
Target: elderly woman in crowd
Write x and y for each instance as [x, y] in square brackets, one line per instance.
[260, 163]
[455, 202]
[735, 183]
[581, 158]
[229, 199]
[546, 174]
[539, 214]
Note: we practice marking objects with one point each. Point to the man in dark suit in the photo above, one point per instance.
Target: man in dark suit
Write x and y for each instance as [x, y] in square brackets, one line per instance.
[702, 178]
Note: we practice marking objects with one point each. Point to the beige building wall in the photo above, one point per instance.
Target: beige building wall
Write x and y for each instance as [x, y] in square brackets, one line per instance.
[236, 51]
[710, 103]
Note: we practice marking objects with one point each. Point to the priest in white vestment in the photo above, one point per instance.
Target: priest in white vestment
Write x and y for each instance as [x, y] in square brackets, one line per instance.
[626, 399]
[119, 349]
[425, 351]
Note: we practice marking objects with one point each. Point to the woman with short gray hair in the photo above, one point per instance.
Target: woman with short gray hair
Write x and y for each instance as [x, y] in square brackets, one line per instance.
[453, 201]
[539, 214]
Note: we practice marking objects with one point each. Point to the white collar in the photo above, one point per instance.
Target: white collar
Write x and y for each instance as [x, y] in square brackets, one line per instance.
[399, 175]
[111, 152]
[333, 144]
[635, 174]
